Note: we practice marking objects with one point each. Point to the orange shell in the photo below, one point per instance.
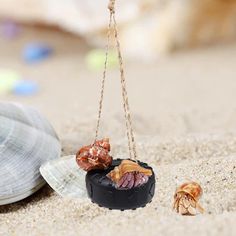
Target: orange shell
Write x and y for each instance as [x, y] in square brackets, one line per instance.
[95, 156]
[127, 166]
[191, 188]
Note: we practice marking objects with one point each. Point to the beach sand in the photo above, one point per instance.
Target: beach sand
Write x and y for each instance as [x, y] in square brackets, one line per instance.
[184, 116]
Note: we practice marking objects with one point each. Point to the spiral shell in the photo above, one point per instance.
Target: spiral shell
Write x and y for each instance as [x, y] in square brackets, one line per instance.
[125, 167]
[94, 156]
[27, 140]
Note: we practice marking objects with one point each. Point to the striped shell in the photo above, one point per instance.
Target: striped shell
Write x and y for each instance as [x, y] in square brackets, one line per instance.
[65, 177]
[27, 140]
[95, 156]
[125, 167]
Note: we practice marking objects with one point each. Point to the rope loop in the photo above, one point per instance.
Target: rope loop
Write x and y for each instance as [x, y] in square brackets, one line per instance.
[128, 121]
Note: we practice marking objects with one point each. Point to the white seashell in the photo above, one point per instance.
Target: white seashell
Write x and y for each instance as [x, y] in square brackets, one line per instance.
[65, 177]
[88, 19]
[27, 140]
[81, 16]
[147, 28]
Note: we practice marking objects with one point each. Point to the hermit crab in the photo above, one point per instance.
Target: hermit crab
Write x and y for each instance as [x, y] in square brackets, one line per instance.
[95, 156]
[129, 174]
[186, 199]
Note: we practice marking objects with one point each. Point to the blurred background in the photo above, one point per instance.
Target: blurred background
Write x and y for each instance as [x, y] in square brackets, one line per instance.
[179, 60]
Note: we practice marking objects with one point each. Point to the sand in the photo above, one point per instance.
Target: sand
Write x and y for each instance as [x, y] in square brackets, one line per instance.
[184, 116]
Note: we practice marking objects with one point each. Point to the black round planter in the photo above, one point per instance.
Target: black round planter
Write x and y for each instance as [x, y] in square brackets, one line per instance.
[102, 191]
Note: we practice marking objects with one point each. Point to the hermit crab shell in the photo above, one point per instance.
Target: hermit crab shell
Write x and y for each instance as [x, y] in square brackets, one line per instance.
[27, 140]
[65, 177]
[127, 166]
[191, 188]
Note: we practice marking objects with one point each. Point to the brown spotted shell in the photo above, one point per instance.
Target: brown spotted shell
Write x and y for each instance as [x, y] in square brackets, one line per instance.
[95, 156]
[125, 167]
[186, 199]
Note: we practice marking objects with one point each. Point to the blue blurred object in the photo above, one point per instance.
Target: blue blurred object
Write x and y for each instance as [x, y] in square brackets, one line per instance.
[36, 52]
[25, 88]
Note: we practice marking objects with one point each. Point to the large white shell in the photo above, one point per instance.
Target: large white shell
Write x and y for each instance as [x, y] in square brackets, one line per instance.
[78, 16]
[89, 19]
[65, 177]
[27, 140]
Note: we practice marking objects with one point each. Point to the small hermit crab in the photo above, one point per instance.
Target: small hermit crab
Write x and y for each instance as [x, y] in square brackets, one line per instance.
[129, 174]
[95, 156]
[186, 199]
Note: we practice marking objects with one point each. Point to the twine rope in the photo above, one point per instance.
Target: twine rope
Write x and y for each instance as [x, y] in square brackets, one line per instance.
[128, 120]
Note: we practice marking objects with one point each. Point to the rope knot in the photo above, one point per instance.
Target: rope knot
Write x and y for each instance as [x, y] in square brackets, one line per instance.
[111, 6]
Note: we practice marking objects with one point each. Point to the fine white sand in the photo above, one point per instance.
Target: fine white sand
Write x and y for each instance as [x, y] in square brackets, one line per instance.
[184, 115]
